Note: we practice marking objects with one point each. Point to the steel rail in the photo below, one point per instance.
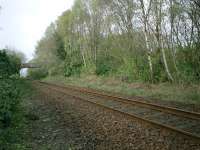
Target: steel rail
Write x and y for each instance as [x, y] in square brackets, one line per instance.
[155, 123]
[170, 110]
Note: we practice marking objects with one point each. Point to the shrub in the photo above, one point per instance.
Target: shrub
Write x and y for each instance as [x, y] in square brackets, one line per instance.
[188, 64]
[106, 64]
[73, 64]
[37, 74]
[9, 99]
[72, 69]
[9, 93]
[9, 63]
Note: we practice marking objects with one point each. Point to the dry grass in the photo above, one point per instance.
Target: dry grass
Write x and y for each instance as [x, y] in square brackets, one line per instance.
[164, 91]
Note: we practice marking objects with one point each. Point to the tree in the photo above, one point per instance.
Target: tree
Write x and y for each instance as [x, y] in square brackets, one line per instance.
[10, 62]
[142, 40]
[145, 17]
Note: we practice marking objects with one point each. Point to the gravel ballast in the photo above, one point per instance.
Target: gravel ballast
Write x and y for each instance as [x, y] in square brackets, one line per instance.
[95, 127]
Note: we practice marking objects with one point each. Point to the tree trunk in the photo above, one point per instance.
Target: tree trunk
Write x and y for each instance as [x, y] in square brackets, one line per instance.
[83, 56]
[149, 52]
[172, 35]
[145, 23]
[165, 62]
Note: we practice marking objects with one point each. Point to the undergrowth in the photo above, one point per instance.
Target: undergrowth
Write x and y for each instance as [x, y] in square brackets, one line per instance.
[187, 94]
[12, 113]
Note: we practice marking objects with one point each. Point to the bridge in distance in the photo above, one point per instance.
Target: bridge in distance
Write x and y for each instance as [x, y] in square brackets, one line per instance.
[29, 65]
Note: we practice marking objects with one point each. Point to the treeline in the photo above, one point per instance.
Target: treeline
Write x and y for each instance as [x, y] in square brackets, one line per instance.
[153, 40]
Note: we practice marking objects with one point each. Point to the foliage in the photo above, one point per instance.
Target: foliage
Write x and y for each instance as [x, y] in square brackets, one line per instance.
[10, 94]
[11, 137]
[9, 99]
[9, 64]
[151, 41]
[133, 70]
[73, 63]
[106, 64]
[190, 63]
[37, 74]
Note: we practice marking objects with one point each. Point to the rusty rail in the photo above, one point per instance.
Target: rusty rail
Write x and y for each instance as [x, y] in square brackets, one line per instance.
[171, 110]
[183, 113]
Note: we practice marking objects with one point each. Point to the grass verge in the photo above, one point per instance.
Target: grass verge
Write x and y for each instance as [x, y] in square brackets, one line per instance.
[187, 94]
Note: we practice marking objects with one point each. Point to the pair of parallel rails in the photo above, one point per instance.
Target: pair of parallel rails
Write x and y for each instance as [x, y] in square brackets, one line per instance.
[180, 121]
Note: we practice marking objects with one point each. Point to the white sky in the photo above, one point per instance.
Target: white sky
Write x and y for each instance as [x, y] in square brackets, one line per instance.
[23, 22]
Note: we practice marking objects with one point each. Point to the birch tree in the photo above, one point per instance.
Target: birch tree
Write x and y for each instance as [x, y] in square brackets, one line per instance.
[159, 36]
[145, 16]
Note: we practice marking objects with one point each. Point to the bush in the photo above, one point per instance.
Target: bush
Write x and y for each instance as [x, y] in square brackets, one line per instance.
[9, 99]
[9, 64]
[106, 64]
[102, 68]
[188, 64]
[133, 69]
[37, 74]
[73, 64]
[56, 69]
[72, 69]
[9, 93]
[89, 69]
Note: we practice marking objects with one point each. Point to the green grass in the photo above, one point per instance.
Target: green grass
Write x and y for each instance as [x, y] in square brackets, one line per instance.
[187, 94]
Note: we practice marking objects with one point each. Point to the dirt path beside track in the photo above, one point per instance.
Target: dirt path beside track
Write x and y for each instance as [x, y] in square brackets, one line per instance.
[48, 129]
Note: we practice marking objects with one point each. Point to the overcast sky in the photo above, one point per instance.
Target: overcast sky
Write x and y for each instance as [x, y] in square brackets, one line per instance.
[23, 22]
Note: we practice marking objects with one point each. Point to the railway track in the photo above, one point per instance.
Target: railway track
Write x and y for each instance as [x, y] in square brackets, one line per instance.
[177, 120]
